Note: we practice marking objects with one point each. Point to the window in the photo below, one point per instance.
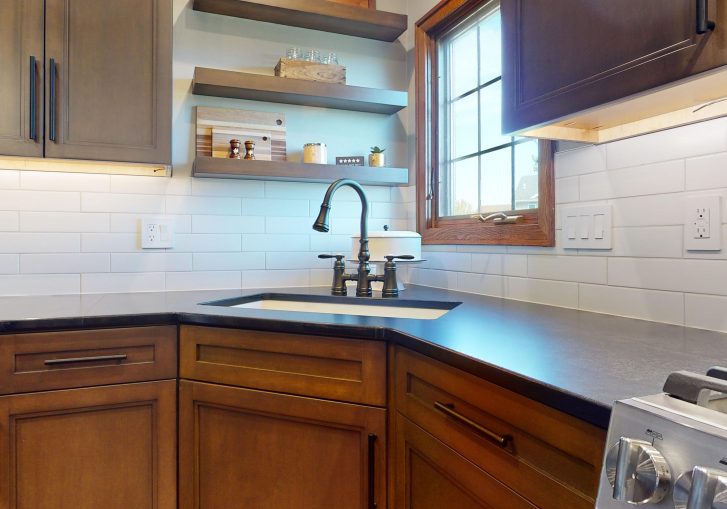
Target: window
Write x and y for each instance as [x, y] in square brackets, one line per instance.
[466, 168]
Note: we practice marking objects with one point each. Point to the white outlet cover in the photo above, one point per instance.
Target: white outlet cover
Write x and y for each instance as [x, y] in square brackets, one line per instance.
[157, 232]
[712, 220]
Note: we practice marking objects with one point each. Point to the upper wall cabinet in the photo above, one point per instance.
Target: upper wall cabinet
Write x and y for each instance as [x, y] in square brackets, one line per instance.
[96, 84]
[590, 70]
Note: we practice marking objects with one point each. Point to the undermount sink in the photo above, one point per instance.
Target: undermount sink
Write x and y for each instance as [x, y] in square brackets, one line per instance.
[384, 308]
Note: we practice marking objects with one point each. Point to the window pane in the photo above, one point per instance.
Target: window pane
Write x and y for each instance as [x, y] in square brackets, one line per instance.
[490, 111]
[526, 175]
[458, 196]
[462, 70]
[464, 132]
[490, 55]
[496, 187]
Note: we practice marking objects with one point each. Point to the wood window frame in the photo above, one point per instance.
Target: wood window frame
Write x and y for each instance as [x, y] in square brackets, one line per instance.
[537, 227]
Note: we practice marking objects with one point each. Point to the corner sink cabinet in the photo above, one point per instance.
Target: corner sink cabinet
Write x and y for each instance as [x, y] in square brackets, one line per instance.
[89, 419]
[83, 79]
[566, 56]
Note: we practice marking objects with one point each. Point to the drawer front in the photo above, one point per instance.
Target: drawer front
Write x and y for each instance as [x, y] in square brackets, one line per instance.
[64, 360]
[339, 369]
[549, 458]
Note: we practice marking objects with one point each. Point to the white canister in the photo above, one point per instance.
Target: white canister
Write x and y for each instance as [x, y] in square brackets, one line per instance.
[315, 153]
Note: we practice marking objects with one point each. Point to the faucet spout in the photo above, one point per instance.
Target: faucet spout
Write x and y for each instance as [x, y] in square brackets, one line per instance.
[363, 285]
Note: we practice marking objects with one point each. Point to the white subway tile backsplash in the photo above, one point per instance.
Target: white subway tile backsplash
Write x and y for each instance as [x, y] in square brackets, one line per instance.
[482, 284]
[457, 262]
[9, 221]
[293, 260]
[9, 264]
[568, 268]
[64, 222]
[40, 200]
[207, 242]
[708, 172]
[542, 291]
[127, 184]
[228, 224]
[389, 210]
[435, 278]
[131, 223]
[284, 208]
[137, 203]
[566, 190]
[706, 312]
[485, 263]
[694, 276]
[229, 261]
[515, 265]
[110, 242]
[117, 282]
[52, 181]
[657, 210]
[648, 242]
[199, 205]
[199, 280]
[687, 141]
[40, 284]
[273, 242]
[64, 263]
[588, 159]
[287, 224]
[275, 278]
[40, 242]
[228, 187]
[9, 179]
[327, 243]
[659, 178]
[656, 306]
[151, 262]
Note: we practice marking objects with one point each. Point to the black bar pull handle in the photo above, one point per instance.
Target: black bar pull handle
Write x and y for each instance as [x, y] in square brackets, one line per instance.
[33, 134]
[52, 101]
[703, 23]
[372, 471]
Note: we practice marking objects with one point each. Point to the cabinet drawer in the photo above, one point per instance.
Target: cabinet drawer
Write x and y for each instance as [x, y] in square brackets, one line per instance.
[64, 360]
[339, 369]
[551, 459]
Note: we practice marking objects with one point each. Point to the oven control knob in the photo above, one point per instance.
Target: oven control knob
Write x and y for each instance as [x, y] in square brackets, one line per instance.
[702, 488]
[637, 471]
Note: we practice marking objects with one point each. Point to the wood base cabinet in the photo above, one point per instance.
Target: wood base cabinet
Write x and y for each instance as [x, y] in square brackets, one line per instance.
[110, 447]
[256, 449]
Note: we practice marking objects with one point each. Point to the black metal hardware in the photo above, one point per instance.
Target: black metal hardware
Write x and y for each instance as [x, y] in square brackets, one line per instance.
[33, 134]
[52, 101]
[372, 471]
[448, 410]
[703, 23]
[74, 360]
[391, 287]
[338, 287]
[717, 372]
[690, 387]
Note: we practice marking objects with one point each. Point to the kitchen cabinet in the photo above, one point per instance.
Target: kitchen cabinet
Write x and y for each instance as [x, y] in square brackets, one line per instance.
[281, 420]
[101, 88]
[562, 57]
[454, 430]
[110, 446]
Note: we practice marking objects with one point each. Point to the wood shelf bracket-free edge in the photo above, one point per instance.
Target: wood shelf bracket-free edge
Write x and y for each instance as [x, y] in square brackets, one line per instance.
[315, 15]
[259, 87]
[217, 167]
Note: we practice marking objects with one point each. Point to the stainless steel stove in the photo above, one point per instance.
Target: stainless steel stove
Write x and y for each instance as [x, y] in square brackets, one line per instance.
[669, 450]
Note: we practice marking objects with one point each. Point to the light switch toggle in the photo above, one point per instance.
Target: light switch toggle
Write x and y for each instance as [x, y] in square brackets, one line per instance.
[587, 227]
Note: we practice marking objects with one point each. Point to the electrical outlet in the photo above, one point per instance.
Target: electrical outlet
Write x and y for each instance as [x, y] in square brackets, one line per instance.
[157, 232]
[702, 223]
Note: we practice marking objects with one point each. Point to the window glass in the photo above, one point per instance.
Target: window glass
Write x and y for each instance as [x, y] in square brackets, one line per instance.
[480, 170]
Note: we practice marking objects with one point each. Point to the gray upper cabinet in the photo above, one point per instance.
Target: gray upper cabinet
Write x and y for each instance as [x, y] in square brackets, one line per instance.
[21, 77]
[107, 84]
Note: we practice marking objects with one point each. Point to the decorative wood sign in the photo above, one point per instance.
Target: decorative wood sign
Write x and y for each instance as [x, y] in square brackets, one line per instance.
[311, 71]
[217, 126]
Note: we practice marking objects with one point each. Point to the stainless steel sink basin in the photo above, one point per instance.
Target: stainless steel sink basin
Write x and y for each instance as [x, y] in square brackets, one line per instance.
[385, 308]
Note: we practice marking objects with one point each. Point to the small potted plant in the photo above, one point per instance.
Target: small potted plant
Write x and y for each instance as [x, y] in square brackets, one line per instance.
[376, 157]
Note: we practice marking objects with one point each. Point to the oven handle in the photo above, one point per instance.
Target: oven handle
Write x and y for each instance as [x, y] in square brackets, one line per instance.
[689, 386]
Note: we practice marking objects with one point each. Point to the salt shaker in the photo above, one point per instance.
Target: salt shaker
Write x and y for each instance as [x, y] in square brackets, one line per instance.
[249, 148]
[235, 149]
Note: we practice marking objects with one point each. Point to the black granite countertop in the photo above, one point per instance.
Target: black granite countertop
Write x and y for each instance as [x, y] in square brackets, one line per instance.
[575, 361]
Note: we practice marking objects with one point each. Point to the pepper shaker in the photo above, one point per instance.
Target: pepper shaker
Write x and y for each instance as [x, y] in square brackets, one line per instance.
[249, 148]
[235, 149]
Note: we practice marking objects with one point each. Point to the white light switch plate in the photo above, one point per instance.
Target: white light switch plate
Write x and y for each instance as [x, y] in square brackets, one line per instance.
[157, 232]
[703, 223]
[586, 227]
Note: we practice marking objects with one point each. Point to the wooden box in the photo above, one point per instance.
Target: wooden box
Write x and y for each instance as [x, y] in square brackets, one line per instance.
[302, 70]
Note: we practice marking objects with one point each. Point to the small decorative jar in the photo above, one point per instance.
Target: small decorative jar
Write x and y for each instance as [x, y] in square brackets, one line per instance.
[315, 153]
[376, 159]
[235, 149]
[249, 149]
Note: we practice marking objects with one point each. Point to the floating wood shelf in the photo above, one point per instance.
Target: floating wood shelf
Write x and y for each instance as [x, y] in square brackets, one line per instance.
[218, 167]
[314, 14]
[259, 87]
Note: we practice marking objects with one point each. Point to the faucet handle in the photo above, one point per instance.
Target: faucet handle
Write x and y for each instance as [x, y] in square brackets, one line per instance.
[338, 257]
[391, 258]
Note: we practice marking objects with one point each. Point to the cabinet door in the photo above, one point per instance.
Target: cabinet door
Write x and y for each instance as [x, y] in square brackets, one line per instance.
[254, 449]
[108, 94]
[111, 447]
[430, 475]
[564, 56]
[21, 91]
